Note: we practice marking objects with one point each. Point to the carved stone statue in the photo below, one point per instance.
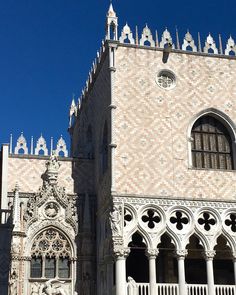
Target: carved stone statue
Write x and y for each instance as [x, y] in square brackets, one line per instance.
[35, 289]
[51, 210]
[132, 287]
[115, 219]
[53, 287]
[13, 283]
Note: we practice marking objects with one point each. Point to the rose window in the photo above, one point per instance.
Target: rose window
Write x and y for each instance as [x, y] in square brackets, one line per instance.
[166, 79]
[231, 222]
[179, 219]
[50, 255]
[207, 221]
[151, 218]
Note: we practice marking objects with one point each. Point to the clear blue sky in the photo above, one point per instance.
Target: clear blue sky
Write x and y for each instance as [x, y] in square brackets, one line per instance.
[47, 47]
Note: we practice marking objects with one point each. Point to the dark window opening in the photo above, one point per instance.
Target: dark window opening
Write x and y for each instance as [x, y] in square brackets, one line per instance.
[36, 267]
[137, 262]
[211, 144]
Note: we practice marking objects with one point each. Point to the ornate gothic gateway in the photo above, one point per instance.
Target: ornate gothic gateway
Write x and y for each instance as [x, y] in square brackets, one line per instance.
[43, 247]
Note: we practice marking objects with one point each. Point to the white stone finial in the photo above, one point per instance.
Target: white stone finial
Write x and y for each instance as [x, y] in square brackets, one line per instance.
[126, 34]
[111, 12]
[210, 45]
[189, 42]
[112, 24]
[41, 146]
[61, 148]
[21, 145]
[230, 46]
[147, 37]
[166, 39]
[72, 112]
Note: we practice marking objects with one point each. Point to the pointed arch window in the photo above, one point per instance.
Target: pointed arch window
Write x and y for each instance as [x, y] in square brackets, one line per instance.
[50, 255]
[211, 144]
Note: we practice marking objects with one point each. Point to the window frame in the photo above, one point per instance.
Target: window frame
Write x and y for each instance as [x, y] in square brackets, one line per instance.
[229, 125]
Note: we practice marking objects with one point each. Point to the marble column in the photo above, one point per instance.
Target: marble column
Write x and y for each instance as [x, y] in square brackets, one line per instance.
[180, 255]
[234, 261]
[209, 255]
[152, 254]
[120, 265]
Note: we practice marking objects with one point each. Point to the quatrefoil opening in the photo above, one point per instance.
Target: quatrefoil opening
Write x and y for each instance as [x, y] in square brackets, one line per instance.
[151, 218]
[207, 221]
[231, 222]
[179, 220]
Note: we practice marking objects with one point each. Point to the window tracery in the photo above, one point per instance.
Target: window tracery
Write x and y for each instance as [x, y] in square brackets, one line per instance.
[51, 255]
[211, 144]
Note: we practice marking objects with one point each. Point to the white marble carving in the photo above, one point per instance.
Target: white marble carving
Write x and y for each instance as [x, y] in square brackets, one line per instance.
[147, 37]
[166, 39]
[189, 42]
[210, 45]
[126, 35]
[61, 149]
[41, 146]
[230, 46]
[21, 145]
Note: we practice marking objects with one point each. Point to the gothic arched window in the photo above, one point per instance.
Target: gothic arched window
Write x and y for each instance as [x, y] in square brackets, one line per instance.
[211, 144]
[50, 255]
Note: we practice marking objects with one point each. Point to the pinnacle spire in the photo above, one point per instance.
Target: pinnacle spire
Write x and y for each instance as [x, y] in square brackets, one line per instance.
[111, 12]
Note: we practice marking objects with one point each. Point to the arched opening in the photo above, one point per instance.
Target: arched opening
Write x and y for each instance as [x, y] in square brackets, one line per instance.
[61, 154]
[41, 152]
[223, 263]
[211, 144]
[166, 263]
[50, 256]
[195, 262]
[137, 261]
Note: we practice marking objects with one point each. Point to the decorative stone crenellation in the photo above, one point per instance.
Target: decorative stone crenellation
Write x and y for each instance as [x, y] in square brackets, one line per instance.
[40, 149]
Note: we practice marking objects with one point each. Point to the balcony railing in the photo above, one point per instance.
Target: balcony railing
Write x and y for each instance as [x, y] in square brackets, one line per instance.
[173, 289]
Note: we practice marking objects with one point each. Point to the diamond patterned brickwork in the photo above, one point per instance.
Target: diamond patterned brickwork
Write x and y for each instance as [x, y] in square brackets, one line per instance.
[151, 123]
[27, 173]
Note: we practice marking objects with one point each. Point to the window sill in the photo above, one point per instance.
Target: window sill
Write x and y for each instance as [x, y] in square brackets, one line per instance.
[46, 279]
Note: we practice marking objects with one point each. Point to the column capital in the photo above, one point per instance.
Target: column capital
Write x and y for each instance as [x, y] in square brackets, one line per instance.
[209, 254]
[121, 252]
[181, 253]
[151, 253]
[234, 256]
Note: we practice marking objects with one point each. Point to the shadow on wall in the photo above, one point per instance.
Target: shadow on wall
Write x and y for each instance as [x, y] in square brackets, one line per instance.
[6, 227]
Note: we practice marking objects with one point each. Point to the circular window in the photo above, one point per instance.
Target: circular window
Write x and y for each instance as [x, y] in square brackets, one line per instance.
[166, 79]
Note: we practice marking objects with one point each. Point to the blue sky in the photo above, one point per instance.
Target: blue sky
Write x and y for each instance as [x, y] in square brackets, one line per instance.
[47, 48]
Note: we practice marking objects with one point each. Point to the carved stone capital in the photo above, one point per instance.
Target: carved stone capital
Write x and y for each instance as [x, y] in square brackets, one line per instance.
[120, 253]
[152, 253]
[209, 255]
[234, 256]
[181, 254]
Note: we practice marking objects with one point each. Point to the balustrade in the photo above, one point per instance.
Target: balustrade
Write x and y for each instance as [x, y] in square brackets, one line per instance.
[173, 289]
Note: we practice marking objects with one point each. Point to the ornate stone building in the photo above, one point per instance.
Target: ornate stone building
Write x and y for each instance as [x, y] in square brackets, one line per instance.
[145, 205]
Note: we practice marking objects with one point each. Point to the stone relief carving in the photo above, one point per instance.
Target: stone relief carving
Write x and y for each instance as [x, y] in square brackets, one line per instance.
[115, 220]
[13, 283]
[51, 287]
[213, 219]
[53, 197]
[51, 210]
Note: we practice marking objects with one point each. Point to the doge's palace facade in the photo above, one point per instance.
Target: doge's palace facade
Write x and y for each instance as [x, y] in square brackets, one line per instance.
[145, 204]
